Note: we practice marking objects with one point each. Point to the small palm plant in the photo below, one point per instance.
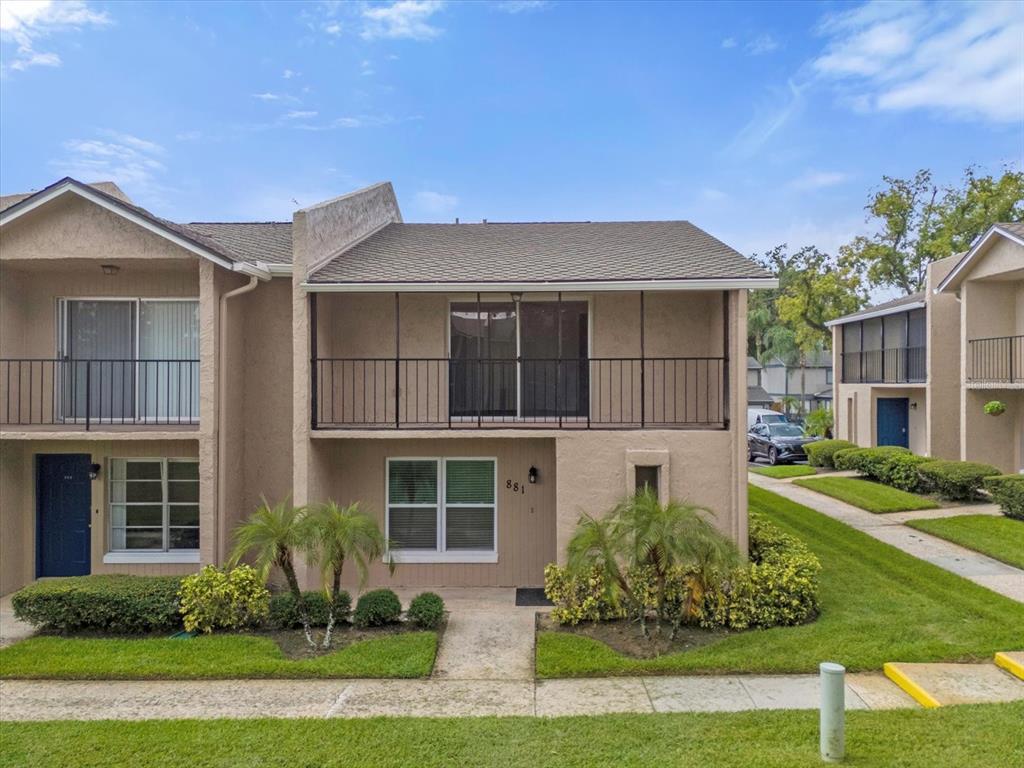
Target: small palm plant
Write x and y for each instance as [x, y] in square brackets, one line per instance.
[272, 535]
[642, 535]
[336, 534]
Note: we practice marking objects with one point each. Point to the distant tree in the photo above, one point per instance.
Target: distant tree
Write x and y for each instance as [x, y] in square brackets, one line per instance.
[920, 222]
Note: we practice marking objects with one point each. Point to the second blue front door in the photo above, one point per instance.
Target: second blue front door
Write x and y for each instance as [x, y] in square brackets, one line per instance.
[893, 421]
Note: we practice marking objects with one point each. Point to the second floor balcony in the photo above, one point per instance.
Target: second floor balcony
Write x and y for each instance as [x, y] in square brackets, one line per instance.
[898, 365]
[579, 393]
[998, 360]
[98, 393]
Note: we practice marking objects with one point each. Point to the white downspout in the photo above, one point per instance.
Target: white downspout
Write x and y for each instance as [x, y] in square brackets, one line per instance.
[221, 397]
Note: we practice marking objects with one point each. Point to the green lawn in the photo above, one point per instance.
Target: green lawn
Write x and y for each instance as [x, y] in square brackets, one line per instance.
[782, 471]
[211, 657]
[967, 736]
[997, 537]
[878, 604]
[866, 494]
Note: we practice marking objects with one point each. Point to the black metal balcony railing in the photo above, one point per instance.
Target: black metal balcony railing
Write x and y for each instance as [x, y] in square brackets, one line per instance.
[998, 360]
[896, 365]
[436, 393]
[85, 393]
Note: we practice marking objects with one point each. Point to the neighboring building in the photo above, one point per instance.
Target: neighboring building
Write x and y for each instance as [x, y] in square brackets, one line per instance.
[918, 370]
[476, 386]
[810, 384]
[757, 397]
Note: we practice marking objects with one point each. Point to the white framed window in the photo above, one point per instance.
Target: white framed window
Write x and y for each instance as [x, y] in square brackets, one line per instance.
[154, 507]
[442, 510]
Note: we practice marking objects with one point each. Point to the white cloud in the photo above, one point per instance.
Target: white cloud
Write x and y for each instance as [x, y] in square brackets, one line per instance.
[519, 6]
[366, 68]
[24, 23]
[813, 179]
[768, 120]
[435, 203]
[270, 96]
[189, 135]
[729, 42]
[127, 160]
[288, 74]
[408, 19]
[333, 28]
[762, 44]
[963, 60]
[298, 114]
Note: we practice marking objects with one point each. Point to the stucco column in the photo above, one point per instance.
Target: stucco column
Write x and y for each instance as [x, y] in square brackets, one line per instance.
[737, 351]
[209, 544]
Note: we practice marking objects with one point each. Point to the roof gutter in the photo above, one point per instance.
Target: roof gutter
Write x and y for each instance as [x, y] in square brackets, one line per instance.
[275, 269]
[258, 271]
[703, 284]
[878, 313]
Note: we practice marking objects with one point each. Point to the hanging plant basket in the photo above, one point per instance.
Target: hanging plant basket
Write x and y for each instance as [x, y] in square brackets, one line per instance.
[995, 408]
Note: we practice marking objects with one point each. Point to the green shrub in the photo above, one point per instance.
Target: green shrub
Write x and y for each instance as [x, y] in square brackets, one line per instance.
[115, 604]
[220, 598]
[377, 608]
[778, 588]
[426, 610]
[577, 598]
[1008, 492]
[900, 470]
[819, 422]
[956, 480]
[284, 613]
[867, 461]
[821, 453]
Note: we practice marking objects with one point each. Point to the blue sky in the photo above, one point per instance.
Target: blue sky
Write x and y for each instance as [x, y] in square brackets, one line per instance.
[761, 122]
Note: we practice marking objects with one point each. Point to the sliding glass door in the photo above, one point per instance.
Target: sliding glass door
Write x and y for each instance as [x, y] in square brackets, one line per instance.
[130, 359]
[519, 359]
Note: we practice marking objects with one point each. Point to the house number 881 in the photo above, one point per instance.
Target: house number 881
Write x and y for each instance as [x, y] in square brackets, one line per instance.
[515, 487]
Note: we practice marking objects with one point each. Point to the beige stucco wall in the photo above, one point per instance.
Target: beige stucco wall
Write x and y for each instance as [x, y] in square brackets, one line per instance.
[18, 497]
[942, 422]
[856, 405]
[995, 440]
[355, 470]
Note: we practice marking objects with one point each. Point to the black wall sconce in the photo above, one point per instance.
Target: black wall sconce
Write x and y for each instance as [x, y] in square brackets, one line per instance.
[532, 475]
[913, 405]
[94, 471]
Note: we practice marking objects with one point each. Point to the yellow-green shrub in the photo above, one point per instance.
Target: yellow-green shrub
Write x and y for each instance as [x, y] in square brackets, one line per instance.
[821, 453]
[218, 598]
[578, 598]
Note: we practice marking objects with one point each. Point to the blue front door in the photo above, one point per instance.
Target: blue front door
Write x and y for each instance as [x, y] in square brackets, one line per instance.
[893, 421]
[63, 500]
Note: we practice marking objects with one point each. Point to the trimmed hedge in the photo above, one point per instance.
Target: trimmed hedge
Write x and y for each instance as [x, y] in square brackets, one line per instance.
[900, 470]
[1008, 492]
[377, 608]
[116, 604]
[868, 461]
[426, 610]
[956, 480]
[222, 598]
[821, 453]
[779, 587]
[284, 613]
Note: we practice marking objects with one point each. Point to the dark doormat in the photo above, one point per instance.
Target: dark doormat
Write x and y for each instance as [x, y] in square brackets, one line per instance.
[529, 596]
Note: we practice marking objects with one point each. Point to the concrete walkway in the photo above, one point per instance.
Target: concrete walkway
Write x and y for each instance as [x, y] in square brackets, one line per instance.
[95, 700]
[11, 629]
[989, 573]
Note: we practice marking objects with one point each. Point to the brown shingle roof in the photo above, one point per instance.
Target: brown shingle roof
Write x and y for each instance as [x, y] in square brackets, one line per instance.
[537, 252]
[882, 308]
[1013, 227]
[268, 241]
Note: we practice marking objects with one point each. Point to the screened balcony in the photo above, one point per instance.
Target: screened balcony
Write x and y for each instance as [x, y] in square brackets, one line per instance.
[516, 363]
[885, 350]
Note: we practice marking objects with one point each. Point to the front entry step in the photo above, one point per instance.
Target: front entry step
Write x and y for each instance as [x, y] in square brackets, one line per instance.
[937, 685]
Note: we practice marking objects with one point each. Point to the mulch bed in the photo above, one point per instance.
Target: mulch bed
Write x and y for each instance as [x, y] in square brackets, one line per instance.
[625, 636]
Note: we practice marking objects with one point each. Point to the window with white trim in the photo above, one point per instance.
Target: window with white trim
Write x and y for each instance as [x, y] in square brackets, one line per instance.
[442, 507]
[154, 505]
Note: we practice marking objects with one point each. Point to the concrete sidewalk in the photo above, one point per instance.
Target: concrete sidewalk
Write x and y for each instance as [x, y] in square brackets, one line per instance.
[11, 629]
[121, 700]
[989, 573]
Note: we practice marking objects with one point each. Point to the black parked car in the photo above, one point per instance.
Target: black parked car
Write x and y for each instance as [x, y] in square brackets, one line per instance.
[778, 443]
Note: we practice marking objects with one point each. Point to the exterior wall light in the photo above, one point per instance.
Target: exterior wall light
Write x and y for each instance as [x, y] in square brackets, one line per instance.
[110, 269]
[94, 471]
[532, 475]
